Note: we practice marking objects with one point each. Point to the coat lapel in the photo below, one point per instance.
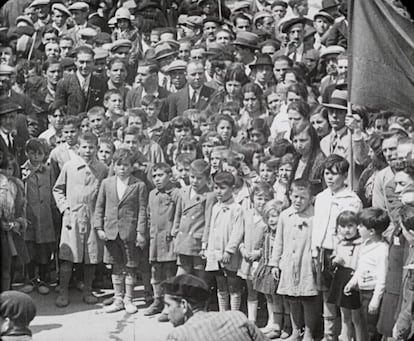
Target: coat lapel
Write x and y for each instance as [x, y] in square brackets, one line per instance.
[112, 187]
[130, 188]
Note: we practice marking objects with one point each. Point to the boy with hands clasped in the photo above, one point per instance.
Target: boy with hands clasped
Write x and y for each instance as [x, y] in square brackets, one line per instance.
[120, 221]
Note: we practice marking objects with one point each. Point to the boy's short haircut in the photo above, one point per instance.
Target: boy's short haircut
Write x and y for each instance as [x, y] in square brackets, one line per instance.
[123, 156]
[407, 217]
[151, 99]
[72, 120]
[57, 105]
[114, 60]
[301, 184]
[108, 142]
[96, 111]
[181, 122]
[200, 167]
[375, 219]
[270, 162]
[111, 92]
[131, 131]
[162, 166]
[35, 144]
[262, 188]
[89, 137]
[184, 159]
[85, 50]
[346, 218]
[224, 178]
[336, 164]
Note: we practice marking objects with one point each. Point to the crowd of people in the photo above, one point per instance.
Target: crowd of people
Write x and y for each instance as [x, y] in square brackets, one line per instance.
[153, 139]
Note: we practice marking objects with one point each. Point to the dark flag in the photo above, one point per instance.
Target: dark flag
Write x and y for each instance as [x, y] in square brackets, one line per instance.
[381, 46]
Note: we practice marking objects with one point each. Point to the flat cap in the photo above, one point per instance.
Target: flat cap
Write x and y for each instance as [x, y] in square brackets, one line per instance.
[279, 3]
[7, 107]
[177, 65]
[333, 49]
[194, 21]
[212, 19]
[120, 43]
[24, 18]
[6, 69]
[61, 8]
[17, 306]
[36, 3]
[103, 38]
[67, 62]
[259, 15]
[79, 6]
[285, 25]
[88, 32]
[200, 166]
[188, 287]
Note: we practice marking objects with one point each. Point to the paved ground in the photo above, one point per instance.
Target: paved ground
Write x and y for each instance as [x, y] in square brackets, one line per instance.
[80, 322]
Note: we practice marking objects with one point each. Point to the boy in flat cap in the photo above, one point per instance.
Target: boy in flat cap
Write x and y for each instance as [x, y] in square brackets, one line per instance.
[186, 298]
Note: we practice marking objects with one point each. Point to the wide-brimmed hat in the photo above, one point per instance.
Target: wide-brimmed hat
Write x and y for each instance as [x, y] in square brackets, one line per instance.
[338, 100]
[123, 13]
[328, 4]
[120, 43]
[247, 39]
[262, 59]
[285, 25]
[333, 49]
[7, 107]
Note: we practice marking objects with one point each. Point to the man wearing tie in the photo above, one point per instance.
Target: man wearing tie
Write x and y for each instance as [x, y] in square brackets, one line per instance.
[195, 95]
[8, 114]
[82, 90]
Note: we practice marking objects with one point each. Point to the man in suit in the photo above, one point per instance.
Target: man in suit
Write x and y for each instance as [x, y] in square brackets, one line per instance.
[8, 114]
[147, 80]
[80, 14]
[195, 95]
[82, 90]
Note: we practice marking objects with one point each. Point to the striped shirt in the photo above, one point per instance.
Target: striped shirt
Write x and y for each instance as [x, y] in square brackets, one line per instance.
[217, 326]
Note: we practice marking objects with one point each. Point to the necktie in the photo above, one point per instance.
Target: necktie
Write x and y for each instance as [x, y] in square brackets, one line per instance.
[334, 143]
[194, 100]
[10, 143]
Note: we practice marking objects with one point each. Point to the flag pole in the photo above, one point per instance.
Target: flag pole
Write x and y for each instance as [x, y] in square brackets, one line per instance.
[351, 151]
[219, 8]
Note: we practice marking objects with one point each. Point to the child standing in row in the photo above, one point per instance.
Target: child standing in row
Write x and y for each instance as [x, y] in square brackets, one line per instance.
[278, 321]
[162, 207]
[344, 260]
[40, 234]
[225, 233]
[250, 248]
[120, 221]
[75, 192]
[371, 269]
[292, 262]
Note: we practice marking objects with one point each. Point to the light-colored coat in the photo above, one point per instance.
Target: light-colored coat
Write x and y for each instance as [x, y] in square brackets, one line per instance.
[292, 253]
[254, 230]
[327, 208]
[162, 207]
[124, 216]
[75, 192]
[225, 235]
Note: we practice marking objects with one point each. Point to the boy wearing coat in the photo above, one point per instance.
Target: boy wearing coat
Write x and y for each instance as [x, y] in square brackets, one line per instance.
[161, 216]
[120, 221]
[75, 193]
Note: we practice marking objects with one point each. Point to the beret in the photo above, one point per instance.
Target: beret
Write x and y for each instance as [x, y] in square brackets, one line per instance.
[187, 286]
[17, 306]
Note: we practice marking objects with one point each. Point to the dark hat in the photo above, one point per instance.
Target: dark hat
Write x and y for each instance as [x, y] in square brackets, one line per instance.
[327, 16]
[338, 100]
[148, 4]
[67, 62]
[200, 166]
[103, 38]
[17, 306]
[327, 4]
[212, 19]
[262, 59]
[287, 24]
[188, 287]
[279, 3]
[248, 39]
[7, 107]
